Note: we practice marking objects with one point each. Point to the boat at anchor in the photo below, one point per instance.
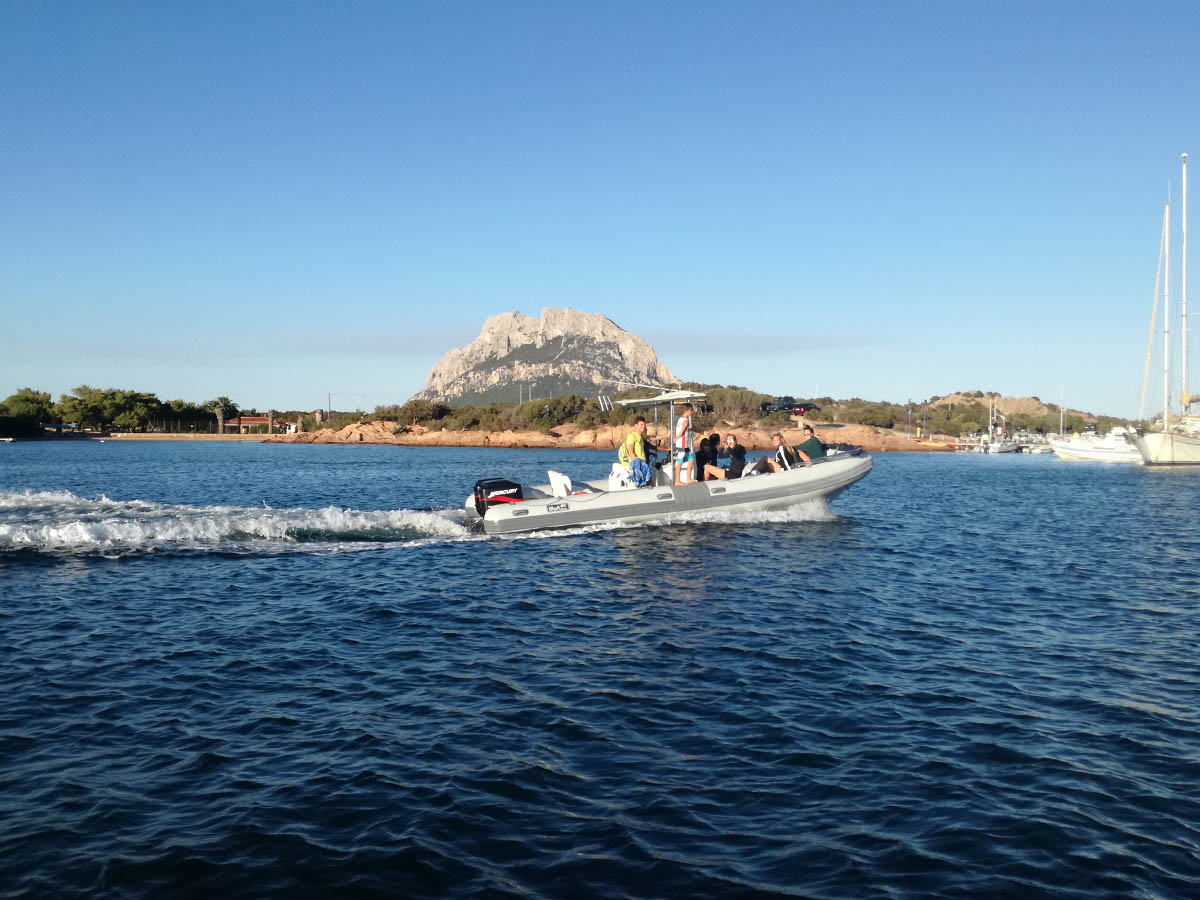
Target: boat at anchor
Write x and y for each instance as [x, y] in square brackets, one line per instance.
[508, 507]
[1116, 446]
[1174, 442]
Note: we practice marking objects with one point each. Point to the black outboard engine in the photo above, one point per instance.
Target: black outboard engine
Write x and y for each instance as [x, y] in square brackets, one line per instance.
[493, 491]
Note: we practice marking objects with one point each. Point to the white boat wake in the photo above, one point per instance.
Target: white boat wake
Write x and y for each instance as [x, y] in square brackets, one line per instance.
[59, 522]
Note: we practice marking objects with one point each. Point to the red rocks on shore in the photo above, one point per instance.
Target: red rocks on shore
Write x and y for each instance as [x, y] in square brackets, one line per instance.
[605, 437]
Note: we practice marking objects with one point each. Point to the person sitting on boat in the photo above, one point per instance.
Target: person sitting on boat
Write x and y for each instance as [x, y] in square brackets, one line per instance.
[704, 455]
[785, 458]
[632, 454]
[811, 448]
[685, 454]
[737, 461]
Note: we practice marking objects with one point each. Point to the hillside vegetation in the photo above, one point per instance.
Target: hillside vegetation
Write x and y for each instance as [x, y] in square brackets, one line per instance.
[23, 413]
[734, 406]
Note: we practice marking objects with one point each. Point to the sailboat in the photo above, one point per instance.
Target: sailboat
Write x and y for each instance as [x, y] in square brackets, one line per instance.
[998, 440]
[1176, 443]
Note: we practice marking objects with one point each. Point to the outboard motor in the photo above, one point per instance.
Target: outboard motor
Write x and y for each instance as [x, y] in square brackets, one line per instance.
[493, 491]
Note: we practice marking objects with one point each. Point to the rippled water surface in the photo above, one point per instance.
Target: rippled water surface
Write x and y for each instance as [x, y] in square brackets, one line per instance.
[298, 671]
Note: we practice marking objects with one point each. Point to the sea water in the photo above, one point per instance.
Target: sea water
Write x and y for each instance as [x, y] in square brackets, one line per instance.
[247, 670]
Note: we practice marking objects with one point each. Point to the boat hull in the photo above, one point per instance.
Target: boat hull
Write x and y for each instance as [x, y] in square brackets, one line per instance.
[1080, 452]
[1159, 448]
[824, 479]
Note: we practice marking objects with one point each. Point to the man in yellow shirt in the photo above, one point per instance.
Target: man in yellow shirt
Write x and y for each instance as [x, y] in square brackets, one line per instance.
[632, 454]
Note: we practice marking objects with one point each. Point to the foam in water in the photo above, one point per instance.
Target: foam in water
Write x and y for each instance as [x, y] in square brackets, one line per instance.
[61, 522]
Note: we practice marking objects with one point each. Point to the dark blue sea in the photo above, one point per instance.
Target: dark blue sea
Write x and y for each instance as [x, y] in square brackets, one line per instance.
[244, 671]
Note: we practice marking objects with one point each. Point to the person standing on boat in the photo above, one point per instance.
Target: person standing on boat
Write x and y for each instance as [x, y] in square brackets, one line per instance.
[685, 449]
[632, 454]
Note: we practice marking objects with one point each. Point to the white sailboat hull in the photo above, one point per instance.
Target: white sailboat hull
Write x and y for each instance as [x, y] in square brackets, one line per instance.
[1159, 448]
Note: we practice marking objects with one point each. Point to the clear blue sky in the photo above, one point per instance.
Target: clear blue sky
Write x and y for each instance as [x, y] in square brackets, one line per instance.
[280, 201]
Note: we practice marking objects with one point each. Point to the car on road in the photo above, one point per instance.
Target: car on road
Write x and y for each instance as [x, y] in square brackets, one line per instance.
[787, 405]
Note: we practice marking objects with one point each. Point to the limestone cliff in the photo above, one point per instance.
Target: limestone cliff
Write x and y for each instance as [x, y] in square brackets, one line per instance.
[564, 352]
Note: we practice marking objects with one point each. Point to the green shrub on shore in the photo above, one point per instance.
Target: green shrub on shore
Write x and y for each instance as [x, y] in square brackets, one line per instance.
[20, 426]
[727, 406]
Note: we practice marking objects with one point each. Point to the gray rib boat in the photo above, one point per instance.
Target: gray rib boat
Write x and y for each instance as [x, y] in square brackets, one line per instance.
[508, 507]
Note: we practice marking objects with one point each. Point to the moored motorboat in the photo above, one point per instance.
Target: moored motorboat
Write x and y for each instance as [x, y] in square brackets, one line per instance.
[508, 507]
[1116, 446]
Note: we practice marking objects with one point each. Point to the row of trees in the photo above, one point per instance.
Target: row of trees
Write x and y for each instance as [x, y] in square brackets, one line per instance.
[27, 410]
[731, 404]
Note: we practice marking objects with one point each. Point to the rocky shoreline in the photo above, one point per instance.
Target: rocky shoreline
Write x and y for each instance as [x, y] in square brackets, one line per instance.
[874, 440]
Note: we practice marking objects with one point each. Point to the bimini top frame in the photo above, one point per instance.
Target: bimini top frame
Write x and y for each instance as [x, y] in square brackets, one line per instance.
[663, 399]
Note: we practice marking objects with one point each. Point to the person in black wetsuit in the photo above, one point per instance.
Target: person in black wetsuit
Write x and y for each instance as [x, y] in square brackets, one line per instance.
[737, 461]
[785, 458]
[704, 456]
[714, 445]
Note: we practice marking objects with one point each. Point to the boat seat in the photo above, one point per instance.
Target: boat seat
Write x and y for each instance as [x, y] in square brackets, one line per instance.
[619, 479]
[560, 484]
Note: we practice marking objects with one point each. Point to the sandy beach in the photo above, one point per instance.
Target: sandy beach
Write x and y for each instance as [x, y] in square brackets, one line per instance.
[130, 436]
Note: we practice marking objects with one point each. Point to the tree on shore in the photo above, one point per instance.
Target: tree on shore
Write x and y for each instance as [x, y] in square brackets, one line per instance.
[29, 404]
[87, 407]
[224, 409]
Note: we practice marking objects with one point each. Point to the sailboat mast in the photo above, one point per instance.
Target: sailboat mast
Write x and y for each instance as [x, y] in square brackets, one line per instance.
[1167, 327]
[1162, 243]
[1184, 397]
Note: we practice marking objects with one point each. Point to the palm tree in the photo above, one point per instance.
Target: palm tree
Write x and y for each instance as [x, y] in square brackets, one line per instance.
[224, 409]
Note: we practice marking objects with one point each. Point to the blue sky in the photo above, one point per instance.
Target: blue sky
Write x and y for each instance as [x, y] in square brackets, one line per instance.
[284, 201]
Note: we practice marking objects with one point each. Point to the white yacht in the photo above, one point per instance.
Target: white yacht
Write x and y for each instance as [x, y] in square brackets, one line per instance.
[1116, 446]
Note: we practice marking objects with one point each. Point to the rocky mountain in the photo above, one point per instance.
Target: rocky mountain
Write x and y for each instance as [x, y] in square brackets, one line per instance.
[564, 352]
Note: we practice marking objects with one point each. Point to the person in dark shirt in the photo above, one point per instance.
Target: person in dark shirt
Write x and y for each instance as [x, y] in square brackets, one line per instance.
[812, 448]
[737, 461]
[704, 456]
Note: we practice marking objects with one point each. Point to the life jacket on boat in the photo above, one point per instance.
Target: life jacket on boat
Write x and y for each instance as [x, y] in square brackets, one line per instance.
[634, 446]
